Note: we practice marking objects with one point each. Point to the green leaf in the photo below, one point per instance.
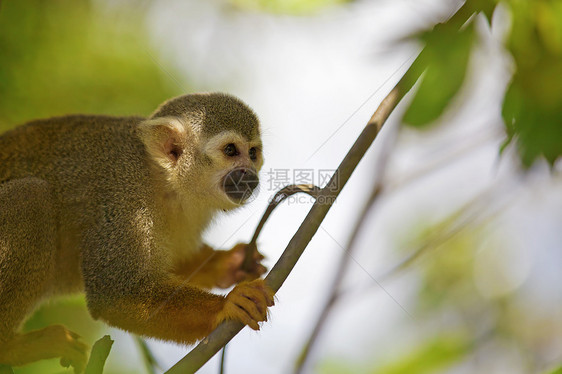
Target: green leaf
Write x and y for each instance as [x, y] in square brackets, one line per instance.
[536, 127]
[73, 57]
[430, 357]
[557, 370]
[99, 354]
[446, 56]
[293, 7]
[532, 110]
[5, 369]
[485, 7]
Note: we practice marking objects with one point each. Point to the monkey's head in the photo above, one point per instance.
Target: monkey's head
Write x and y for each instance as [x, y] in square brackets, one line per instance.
[208, 147]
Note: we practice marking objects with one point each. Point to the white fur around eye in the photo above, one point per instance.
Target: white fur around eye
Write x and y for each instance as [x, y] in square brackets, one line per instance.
[217, 142]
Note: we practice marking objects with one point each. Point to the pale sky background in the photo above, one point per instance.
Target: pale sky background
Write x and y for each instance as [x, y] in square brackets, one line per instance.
[314, 82]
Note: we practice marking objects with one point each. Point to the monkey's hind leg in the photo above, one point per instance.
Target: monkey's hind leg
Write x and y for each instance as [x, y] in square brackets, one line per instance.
[50, 342]
[27, 262]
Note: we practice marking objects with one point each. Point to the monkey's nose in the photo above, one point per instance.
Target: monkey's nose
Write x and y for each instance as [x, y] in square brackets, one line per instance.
[239, 184]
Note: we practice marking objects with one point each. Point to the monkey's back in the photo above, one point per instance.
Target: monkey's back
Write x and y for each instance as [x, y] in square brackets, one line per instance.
[79, 150]
[89, 162]
[93, 166]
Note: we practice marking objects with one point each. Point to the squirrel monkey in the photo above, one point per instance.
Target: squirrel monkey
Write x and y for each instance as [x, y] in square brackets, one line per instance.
[115, 207]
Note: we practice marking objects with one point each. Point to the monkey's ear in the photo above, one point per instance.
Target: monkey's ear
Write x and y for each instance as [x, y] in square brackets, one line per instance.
[164, 139]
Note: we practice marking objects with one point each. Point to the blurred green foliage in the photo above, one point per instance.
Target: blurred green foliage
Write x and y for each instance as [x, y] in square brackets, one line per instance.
[458, 325]
[434, 355]
[292, 7]
[446, 56]
[65, 56]
[447, 277]
[558, 370]
[532, 108]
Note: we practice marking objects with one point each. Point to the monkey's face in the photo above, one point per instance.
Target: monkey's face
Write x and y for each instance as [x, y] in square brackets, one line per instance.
[234, 165]
[208, 147]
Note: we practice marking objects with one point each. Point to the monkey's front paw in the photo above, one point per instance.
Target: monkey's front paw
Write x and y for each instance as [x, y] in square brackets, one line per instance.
[233, 265]
[248, 303]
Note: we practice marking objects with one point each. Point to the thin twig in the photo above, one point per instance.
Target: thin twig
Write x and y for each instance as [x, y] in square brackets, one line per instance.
[277, 199]
[454, 155]
[149, 360]
[477, 211]
[470, 214]
[223, 359]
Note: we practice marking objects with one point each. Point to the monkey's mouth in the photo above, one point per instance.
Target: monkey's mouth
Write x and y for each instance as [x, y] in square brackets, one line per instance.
[239, 184]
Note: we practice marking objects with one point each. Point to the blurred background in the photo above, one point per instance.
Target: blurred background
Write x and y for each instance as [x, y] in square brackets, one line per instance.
[457, 267]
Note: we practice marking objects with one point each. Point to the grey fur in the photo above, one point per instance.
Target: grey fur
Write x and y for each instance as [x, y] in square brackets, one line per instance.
[216, 112]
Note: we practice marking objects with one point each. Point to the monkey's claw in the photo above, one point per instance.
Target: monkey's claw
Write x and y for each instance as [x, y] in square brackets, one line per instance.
[248, 303]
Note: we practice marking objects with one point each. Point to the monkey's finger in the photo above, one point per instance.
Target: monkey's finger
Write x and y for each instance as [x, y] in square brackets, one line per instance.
[236, 258]
[261, 269]
[78, 363]
[239, 248]
[250, 306]
[65, 362]
[258, 256]
[261, 295]
[234, 311]
[257, 292]
[247, 320]
[269, 295]
[76, 355]
[240, 276]
[256, 268]
[265, 291]
[73, 334]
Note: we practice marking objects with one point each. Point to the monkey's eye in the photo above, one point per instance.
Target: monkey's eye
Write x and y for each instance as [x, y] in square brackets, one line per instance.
[230, 150]
[253, 153]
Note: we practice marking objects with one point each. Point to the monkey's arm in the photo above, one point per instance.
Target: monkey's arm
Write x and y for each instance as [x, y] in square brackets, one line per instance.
[125, 287]
[216, 268]
[170, 310]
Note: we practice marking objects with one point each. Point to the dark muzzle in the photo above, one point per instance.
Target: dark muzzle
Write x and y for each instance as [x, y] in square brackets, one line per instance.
[239, 184]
